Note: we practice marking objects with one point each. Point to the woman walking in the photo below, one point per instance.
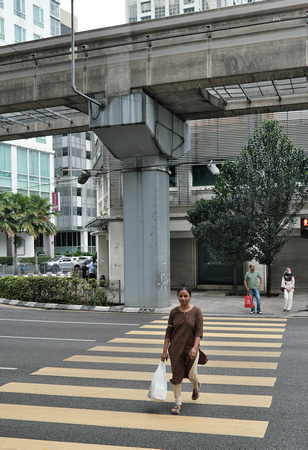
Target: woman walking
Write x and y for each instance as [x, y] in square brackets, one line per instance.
[182, 340]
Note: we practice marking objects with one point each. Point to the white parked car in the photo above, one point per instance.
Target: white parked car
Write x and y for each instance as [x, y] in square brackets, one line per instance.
[62, 264]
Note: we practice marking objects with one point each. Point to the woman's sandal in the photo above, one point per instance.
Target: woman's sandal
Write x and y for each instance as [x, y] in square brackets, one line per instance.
[196, 393]
[176, 410]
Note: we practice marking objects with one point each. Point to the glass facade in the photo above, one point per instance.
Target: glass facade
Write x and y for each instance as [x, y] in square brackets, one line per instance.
[146, 9]
[19, 34]
[33, 172]
[2, 35]
[54, 26]
[55, 8]
[38, 16]
[5, 167]
[201, 176]
[19, 8]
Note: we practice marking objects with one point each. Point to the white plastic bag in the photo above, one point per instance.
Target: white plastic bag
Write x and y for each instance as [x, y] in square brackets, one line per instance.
[158, 388]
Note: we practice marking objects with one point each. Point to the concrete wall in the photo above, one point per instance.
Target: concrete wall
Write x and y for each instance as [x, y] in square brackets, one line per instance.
[294, 255]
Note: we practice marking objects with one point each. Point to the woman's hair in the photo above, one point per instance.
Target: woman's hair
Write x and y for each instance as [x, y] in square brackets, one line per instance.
[184, 288]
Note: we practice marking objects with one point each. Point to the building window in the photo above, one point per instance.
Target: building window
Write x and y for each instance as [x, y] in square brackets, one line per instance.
[2, 35]
[65, 151]
[55, 9]
[65, 171]
[1, 4]
[20, 34]
[201, 176]
[174, 7]
[54, 26]
[79, 211]
[132, 13]
[19, 8]
[188, 2]
[146, 18]
[38, 16]
[41, 139]
[36, 37]
[188, 10]
[78, 191]
[160, 12]
[145, 7]
[5, 167]
[172, 177]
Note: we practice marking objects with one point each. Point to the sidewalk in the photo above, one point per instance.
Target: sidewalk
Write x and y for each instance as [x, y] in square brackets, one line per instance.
[217, 303]
[210, 302]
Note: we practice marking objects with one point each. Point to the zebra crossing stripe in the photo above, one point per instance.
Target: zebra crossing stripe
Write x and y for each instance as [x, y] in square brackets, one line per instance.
[239, 319]
[147, 376]
[158, 350]
[35, 444]
[154, 361]
[257, 401]
[229, 335]
[137, 421]
[250, 323]
[206, 344]
[223, 328]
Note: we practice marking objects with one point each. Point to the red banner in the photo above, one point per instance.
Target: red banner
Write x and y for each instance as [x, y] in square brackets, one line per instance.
[56, 201]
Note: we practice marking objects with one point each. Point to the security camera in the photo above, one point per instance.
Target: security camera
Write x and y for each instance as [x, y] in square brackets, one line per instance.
[213, 169]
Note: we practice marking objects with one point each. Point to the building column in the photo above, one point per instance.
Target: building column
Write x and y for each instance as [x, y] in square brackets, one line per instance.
[146, 231]
[144, 135]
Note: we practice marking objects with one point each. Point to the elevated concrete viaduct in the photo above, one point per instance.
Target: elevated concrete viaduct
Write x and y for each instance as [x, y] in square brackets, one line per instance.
[150, 78]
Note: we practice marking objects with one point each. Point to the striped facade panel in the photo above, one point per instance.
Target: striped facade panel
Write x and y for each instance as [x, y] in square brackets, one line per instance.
[182, 262]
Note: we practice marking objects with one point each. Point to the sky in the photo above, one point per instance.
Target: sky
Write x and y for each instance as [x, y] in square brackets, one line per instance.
[96, 13]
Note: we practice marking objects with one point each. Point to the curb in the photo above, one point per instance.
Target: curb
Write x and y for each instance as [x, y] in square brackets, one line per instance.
[61, 306]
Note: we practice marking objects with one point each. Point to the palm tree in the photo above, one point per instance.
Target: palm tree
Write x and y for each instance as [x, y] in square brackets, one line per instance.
[19, 213]
[12, 220]
[38, 217]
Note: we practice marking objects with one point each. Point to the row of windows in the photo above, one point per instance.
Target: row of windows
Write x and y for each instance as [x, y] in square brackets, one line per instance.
[38, 20]
[33, 170]
[71, 241]
[77, 211]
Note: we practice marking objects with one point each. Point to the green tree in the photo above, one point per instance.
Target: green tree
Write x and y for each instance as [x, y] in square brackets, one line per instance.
[13, 208]
[268, 184]
[224, 233]
[32, 215]
[38, 215]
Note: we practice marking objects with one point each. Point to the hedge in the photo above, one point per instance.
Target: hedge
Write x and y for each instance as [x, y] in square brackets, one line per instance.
[8, 260]
[54, 290]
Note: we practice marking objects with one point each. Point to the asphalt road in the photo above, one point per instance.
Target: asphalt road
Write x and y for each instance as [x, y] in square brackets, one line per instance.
[70, 378]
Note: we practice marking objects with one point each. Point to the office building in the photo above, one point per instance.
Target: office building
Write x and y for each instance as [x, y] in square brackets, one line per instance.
[34, 165]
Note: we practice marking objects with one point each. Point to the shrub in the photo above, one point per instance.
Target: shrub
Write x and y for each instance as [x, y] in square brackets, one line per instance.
[8, 260]
[54, 290]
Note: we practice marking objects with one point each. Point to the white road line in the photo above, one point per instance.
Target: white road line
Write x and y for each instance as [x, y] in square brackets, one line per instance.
[8, 368]
[78, 323]
[48, 339]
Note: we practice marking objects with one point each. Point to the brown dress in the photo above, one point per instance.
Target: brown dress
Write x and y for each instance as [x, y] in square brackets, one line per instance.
[182, 329]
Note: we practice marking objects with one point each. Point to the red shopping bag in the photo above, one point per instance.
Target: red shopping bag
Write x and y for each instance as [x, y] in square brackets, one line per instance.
[248, 302]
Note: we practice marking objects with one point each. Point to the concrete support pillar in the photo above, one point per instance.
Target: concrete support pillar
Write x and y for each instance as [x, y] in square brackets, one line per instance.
[144, 135]
[146, 231]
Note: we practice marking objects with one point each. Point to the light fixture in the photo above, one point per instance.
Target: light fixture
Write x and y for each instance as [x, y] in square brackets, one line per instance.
[213, 169]
[83, 176]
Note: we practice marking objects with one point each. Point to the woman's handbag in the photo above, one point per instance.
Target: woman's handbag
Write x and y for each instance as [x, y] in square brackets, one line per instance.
[248, 302]
[158, 388]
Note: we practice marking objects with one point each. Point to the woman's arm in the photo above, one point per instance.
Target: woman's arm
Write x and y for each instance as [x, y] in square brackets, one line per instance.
[193, 352]
[164, 355]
